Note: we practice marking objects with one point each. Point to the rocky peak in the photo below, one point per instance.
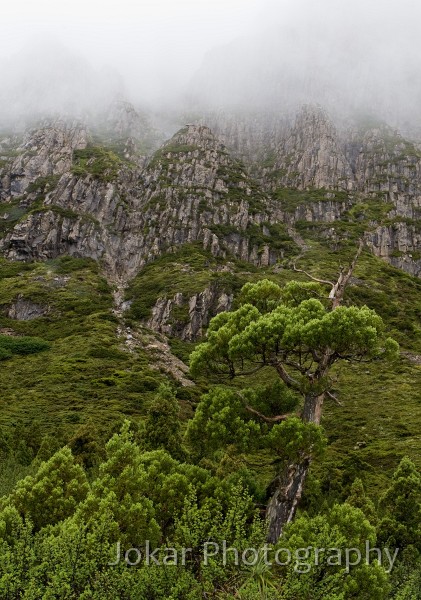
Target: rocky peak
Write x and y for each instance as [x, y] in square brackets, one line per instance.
[311, 155]
[122, 123]
[196, 135]
[44, 152]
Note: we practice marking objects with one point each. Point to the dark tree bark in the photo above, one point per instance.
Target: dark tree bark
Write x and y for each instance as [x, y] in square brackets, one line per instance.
[312, 411]
[283, 503]
[289, 486]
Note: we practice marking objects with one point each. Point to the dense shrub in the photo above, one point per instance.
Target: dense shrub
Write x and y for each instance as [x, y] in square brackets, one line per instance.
[10, 345]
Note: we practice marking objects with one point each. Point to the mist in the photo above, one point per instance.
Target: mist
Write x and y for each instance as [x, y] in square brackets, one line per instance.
[73, 59]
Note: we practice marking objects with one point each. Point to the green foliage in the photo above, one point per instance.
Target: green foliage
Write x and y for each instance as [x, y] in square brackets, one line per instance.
[80, 394]
[292, 440]
[273, 236]
[162, 425]
[401, 503]
[88, 377]
[290, 199]
[53, 493]
[97, 161]
[43, 185]
[221, 419]
[188, 271]
[10, 214]
[233, 523]
[10, 345]
[264, 294]
[131, 492]
[359, 499]
[132, 488]
[411, 590]
[325, 577]
[167, 276]
[295, 336]
[119, 490]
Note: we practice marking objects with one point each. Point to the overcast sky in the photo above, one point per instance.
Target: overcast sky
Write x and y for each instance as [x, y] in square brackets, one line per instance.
[161, 41]
[226, 51]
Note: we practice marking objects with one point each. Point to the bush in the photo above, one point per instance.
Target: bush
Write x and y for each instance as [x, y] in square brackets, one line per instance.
[10, 345]
[107, 353]
[143, 383]
[4, 354]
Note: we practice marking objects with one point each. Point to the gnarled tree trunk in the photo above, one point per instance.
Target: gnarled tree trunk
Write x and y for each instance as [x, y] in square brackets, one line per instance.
[283, 504]
[289, 485]
[312, 411]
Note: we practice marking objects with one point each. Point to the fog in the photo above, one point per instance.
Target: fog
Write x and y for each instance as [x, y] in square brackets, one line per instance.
[72, 58]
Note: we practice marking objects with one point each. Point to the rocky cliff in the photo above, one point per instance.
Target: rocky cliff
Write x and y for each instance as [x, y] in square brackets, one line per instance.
[361, 171]
[249, 187]
[105, 207]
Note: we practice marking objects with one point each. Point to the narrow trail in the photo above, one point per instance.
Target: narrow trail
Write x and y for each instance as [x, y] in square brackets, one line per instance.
[141, 338]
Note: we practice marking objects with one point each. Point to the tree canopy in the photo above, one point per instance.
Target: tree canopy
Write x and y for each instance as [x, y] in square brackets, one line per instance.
[293, 332]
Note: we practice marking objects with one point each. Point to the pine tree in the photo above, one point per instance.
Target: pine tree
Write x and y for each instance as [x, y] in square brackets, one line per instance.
[300, 338]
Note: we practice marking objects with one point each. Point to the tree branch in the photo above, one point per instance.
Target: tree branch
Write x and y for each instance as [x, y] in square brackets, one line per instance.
[285, 376]
[311, 276]
[338, 290]
[334, 398]
[295, 365]
[276, 419]
[255, 412]
[252, 371]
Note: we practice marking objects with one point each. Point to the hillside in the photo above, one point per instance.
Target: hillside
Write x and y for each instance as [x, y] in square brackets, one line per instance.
[117, 249]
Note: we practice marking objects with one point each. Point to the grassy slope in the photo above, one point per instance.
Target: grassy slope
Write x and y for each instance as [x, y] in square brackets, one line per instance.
[85, 376]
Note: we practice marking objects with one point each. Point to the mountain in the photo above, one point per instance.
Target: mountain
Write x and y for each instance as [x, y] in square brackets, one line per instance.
[121, 236]
[119, 247]
[104, 197]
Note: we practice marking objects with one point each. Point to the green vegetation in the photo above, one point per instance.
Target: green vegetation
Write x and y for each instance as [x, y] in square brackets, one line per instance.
[79, 390]
[273, 236]
[84, 377]
[20, 345]
[60, 532]
[266, 234]
[100, 162]
[10, 214]
[168, 153]
[290, 199]
[43, 185]
[194, 464]
[241, 187]
[289, 331]
[188, 271]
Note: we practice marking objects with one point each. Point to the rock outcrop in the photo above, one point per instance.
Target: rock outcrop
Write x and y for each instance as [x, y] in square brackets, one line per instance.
[25, 310]
[43, 152]
[194, 313]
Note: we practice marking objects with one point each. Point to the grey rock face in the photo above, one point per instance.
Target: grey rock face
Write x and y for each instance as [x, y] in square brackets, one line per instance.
[371, 163]
[312, 156]
[25, 310]
[43, 152]
[49, 234]
[190, 185]
[199, 309]
[194, 190]
[397, 243]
